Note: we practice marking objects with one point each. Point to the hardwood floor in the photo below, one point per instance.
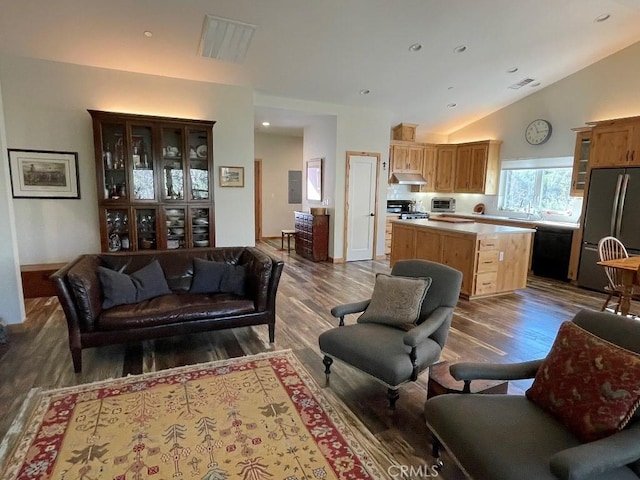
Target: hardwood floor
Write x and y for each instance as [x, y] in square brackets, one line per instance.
[515, 327]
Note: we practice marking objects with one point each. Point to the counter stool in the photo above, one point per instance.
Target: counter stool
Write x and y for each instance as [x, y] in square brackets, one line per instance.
[289, 234]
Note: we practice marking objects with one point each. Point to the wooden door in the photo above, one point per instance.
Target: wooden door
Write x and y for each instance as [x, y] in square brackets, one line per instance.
[478, 168]
[445, 168]
[463, 169]
[257, 197]
[429, 168]
[611, 146]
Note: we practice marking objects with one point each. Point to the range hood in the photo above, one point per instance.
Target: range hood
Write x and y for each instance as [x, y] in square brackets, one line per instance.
[407, 179]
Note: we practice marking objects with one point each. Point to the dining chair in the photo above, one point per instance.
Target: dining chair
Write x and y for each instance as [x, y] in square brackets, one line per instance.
[610, 248]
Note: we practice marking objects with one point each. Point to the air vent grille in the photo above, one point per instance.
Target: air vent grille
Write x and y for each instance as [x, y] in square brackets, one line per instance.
[224, 39]
[521, 83]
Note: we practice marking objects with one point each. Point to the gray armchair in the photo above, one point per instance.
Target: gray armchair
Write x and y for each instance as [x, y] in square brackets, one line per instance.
[392, 355]
[508, 436]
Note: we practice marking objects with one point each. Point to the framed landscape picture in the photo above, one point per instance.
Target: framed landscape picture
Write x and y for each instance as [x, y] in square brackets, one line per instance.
[44, 174]
[232, 176]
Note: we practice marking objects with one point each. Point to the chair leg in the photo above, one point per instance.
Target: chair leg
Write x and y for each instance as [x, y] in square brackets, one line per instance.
[435, 452]
[393, 395]
[606, 302]
[327, 367]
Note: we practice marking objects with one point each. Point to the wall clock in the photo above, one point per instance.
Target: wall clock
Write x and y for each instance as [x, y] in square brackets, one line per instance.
[538, 132]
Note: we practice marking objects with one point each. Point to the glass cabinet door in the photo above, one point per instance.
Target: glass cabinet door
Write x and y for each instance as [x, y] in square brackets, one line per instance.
[117, 228]
[200, 227]
[198, 165]
[147, 228]
[176, 227]
[113, 161]
[142, 163]
[172, 164]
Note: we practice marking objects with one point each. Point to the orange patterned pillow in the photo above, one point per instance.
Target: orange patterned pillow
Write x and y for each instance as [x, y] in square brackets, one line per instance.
[589, 384]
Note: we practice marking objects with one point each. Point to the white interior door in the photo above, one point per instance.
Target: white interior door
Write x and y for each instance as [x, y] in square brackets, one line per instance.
[361, 208]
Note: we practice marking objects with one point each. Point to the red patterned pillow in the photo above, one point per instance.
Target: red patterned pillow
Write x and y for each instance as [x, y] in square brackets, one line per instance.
[589, 384]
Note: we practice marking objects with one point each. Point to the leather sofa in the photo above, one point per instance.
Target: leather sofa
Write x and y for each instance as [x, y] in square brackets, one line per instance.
[179, 311]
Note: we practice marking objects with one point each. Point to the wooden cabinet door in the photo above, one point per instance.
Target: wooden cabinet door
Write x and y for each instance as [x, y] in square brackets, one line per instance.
[445, 168]
[414, 160]
[399, 158]
[429, 168]
[403, 243]
[459, 252]
[611, 146]
[478, 168]
[429, 245]
[463, 169]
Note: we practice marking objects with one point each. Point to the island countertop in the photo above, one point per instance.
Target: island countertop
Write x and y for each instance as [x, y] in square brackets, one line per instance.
[469, 228]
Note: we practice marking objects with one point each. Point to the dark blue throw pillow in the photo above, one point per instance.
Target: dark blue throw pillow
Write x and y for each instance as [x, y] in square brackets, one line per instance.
[217, 277]
[121, 289]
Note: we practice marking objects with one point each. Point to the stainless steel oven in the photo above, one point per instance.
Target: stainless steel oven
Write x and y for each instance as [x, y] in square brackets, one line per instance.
[443, 204]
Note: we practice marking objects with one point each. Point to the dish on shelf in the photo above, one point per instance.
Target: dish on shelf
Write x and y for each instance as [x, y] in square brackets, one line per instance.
[201, 243]
[177, 231]
[173, 244]
[200, 230]
[201, 151]
[174, 213]
[200, 221]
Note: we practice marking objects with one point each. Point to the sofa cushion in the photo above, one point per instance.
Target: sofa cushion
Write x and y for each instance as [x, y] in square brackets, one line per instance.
[396, 301]
[214, 277]
[121, 289]
[589, 384]
[176, 308]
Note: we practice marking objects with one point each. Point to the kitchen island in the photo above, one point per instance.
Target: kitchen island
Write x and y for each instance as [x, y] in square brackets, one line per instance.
[493, 259]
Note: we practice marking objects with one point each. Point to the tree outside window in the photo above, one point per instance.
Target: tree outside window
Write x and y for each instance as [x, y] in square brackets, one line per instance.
[537, 190]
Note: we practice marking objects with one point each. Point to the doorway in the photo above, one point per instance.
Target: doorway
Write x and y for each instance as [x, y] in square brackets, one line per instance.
[257, 197]
[361, 209]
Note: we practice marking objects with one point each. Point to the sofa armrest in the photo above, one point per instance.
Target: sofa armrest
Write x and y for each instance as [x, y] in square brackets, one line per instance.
[595, 459]
[263, 276]
[419, 334]
[340, 311]
[495, 371]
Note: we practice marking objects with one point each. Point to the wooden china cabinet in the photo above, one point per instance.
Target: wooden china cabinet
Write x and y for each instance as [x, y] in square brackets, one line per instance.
[154, 180]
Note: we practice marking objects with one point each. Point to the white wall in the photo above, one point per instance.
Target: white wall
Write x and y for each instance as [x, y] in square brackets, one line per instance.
[11, 301]
[279, 154]
[45, 106]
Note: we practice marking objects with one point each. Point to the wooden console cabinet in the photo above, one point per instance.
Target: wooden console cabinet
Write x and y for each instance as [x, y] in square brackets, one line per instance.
[312, 236]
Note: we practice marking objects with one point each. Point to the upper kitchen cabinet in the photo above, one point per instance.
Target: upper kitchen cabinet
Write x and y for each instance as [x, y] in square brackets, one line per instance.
[580, 161]
[406, 158]
[429, 168]
[477, 167]
[445, 168]
[615, 143]
[152, 173]
[404, 131]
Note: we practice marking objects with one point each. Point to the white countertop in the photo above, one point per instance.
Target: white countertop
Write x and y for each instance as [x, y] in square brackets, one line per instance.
[471, 227]
[522, 222]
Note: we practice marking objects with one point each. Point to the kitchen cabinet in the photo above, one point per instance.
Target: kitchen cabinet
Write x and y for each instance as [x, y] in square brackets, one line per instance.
[406, 158]
[404, 131]
[387, 234]
[312, 236]
[493, 259]
[477, 167]
[580, 162]
[445, 168]
[154, 181]
[429, 168]
[615, 143]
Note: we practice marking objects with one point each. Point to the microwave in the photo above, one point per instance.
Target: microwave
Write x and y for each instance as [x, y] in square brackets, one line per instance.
[443, 204]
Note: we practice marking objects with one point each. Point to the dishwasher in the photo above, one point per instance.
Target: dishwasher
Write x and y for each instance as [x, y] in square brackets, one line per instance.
[551, 252]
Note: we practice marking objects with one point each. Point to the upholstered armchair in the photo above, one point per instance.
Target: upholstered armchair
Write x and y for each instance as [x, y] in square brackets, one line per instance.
[404, 326]
[577, 421]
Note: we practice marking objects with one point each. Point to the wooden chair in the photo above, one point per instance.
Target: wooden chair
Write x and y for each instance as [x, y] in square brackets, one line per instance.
[610, 248]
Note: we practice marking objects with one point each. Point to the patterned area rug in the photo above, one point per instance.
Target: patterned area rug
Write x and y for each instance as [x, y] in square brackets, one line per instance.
[260, 417]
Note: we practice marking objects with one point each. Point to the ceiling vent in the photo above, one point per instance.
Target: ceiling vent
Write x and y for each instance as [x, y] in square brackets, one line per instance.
[521, 83]
[224, 39]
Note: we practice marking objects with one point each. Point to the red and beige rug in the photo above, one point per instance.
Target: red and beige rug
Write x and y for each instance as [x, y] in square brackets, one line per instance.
[260, 417]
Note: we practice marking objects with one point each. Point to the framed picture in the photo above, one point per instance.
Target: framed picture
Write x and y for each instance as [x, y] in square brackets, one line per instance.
[232, 176]
[314, 180]
[44, 174]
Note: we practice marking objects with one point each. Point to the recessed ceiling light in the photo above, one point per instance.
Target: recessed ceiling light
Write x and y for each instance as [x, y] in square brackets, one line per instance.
[602, 18]
[460, 49]
[265, 124]
[365, 91]
[452, 105]
[148, 33]
[415, 47]
[535, 84]
[512, 70]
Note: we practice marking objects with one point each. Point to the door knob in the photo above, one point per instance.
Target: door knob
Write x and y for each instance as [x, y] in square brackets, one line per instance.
[371, 214]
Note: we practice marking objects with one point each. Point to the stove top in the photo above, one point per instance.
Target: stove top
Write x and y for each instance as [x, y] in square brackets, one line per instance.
[413, 215]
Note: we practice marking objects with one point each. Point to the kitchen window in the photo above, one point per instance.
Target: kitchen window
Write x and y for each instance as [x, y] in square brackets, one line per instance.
[537, 186]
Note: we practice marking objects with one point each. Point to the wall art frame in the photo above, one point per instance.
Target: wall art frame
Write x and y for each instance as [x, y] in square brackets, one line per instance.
[44, 174]
[231, 176]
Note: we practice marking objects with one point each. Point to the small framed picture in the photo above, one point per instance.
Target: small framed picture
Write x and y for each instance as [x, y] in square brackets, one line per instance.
[44, 174]
[232, 176]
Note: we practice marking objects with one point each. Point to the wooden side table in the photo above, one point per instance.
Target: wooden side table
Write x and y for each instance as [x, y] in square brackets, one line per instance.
[441, 381]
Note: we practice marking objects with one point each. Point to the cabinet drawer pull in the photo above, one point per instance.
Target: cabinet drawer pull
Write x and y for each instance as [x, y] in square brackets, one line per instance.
[486, 283]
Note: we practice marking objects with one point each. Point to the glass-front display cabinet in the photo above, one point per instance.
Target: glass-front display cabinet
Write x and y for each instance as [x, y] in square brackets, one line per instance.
[154, 179]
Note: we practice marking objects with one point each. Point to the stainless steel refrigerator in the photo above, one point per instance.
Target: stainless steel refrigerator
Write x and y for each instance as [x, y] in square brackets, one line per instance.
[613, 208]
